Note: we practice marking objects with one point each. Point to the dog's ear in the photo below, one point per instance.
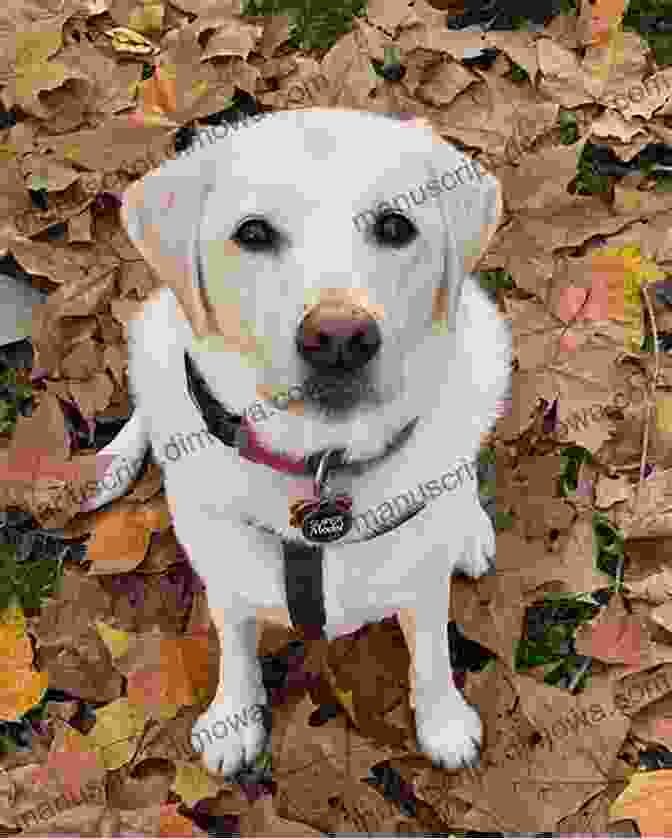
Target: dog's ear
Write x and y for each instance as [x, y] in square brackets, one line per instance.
[470, 201]
[162, 214]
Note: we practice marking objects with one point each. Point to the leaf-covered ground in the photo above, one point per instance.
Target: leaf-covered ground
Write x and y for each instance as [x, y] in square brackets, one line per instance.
[108, 650]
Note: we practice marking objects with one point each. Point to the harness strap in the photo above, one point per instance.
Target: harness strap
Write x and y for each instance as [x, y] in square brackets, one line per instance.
[304, 586]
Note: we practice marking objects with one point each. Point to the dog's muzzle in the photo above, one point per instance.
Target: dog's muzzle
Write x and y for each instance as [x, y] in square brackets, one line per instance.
[338, 339]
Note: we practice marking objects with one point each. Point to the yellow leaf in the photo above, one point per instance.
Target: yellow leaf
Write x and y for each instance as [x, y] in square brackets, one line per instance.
[13, 621]
[199, 89]
[34, 48]
[116, 640]
[345, 698]
[157, 519]
[664, 413]
[169, 70]
[648, 801]
[118, 727]
[147, 18]
[47, 76]
[20, 690]
[8, 151]
[72, 152]
[126, 40]
[632, 199]
[192, 782]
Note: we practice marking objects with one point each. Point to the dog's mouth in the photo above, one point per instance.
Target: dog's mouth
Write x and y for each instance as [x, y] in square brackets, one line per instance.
[337, 396]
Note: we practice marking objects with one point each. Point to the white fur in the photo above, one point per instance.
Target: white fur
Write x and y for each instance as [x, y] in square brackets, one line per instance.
[310, 172]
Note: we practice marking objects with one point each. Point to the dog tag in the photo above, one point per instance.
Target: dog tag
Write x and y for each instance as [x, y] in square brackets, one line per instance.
[330, 522]
[326, 519]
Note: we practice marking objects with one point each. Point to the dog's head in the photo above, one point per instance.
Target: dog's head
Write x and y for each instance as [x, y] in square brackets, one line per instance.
[319, 254]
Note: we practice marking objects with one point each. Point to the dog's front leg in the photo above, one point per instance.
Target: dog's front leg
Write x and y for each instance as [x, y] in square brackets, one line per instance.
[231, 732]
[449, 730]
[478, 552]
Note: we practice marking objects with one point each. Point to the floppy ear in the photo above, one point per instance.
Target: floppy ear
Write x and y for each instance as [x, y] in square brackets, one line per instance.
[470, 202]
[162, 214]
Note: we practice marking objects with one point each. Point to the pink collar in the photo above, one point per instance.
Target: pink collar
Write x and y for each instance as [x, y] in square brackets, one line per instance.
[255, 451]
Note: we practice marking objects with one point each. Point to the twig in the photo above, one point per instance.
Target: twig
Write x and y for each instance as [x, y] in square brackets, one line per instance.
[651, 390]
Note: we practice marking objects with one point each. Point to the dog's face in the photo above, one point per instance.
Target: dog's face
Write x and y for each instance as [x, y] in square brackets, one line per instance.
[319, 254]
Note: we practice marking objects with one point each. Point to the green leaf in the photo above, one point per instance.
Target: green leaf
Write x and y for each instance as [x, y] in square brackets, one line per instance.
[503, 521]
[648, 344]
[569, 127]
[588, 180]
[493, 280]
[314, 24]
[663, 184]
[37, 182]
[518, 73]
[571, 458]
[29, 582]
[391, 55]
[263, 761]
[487, 455]
[659, 42]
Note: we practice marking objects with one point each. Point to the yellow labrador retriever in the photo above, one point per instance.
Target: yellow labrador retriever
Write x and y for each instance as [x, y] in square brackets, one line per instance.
[319, 333]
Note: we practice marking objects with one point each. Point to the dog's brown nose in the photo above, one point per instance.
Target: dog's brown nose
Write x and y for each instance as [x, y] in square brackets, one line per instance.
[338, 338]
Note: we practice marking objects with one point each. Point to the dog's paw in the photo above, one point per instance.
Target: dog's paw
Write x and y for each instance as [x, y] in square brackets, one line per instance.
[229, 736]
[449, 732]
[478, 554]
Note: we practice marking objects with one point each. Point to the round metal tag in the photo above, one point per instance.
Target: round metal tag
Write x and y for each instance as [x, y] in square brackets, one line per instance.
[328, 524]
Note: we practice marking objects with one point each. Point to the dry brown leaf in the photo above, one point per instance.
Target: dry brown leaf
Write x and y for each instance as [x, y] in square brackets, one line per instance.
[122, 535]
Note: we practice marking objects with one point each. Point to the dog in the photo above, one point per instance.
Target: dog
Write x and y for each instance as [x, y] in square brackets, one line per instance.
[288, 267]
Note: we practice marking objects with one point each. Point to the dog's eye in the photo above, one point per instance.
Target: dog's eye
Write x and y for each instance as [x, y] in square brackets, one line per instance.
[256, 235]
[394, 229]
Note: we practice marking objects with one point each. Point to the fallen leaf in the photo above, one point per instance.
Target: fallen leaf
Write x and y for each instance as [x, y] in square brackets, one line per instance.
[21, 688]
[193, 783]
[646, 800]
[121, 537]
[118, 727]
[614, 636]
